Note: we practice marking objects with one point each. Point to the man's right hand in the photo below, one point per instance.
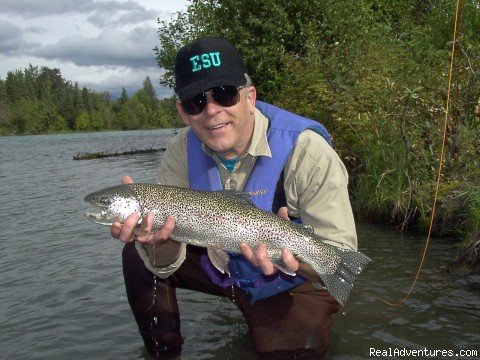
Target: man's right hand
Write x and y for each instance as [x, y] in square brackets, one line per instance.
[128, 231]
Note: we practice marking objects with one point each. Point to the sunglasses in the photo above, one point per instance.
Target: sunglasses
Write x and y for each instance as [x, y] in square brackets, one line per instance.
[223, 95]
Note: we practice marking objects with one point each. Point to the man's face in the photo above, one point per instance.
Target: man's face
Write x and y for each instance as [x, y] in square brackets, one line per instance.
[225, 130]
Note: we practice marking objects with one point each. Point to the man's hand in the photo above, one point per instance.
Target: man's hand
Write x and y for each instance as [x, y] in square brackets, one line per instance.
[260, 257]
[128, 231]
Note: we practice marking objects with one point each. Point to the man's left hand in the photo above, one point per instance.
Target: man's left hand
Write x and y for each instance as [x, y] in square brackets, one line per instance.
[260, 256]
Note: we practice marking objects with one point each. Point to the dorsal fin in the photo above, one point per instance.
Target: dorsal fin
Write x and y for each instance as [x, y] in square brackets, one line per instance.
[240, 196]
[308, 228]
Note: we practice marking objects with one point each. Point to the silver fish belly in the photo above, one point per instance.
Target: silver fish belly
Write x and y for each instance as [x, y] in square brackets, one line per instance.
[220, 221]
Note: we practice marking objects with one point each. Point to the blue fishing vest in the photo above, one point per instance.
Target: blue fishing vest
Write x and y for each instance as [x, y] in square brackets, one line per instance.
[282, 134]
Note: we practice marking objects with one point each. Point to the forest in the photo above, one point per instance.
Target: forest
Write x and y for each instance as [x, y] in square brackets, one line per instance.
[39, 100]
[377, 74]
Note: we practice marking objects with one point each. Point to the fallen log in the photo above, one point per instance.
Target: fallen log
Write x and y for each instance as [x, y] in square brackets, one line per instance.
[101, 155]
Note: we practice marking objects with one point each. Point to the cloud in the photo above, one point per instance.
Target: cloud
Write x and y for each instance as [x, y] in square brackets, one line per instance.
[112, 47]
[99, 13]
[35, 8]
[37, 30]
[120, 16]
[11, 38]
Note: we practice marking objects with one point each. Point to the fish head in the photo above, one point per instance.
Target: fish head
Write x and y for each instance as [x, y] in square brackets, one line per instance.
[115, 204]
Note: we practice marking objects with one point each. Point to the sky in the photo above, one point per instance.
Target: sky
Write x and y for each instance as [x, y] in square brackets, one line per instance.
[103, 45]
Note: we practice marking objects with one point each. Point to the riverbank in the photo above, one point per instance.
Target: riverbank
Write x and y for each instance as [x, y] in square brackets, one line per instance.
[409, 211]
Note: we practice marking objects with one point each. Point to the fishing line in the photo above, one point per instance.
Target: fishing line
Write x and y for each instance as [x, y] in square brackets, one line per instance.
[439, 171]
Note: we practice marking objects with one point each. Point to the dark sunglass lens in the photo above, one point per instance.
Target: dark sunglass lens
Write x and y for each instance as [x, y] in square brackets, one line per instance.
[194, 105]
[225, 95]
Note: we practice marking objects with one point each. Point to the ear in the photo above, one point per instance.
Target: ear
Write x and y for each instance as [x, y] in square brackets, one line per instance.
[181, 112]
[251, 98]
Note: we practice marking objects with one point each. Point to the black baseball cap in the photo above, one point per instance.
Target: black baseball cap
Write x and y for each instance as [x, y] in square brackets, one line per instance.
[206, 63]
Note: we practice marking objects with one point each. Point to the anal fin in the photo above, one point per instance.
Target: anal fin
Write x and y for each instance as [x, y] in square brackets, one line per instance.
[219, 258]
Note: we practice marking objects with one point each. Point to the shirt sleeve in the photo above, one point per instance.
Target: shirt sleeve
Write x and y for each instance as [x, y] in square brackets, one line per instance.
[173, 171]
[174, 165]
[166, 271]
[316, 189]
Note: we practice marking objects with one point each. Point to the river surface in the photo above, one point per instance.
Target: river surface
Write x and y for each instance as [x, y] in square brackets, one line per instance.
[62, 294]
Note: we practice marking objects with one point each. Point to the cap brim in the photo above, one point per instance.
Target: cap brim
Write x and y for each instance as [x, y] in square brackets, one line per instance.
[197, 87]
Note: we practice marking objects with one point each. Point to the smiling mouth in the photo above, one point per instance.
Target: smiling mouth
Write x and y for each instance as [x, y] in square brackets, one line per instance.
[216, 127]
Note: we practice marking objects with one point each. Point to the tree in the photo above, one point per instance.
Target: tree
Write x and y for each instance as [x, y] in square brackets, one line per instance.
[150, 93]
[123, 97]
[3, 92]
[82, 122]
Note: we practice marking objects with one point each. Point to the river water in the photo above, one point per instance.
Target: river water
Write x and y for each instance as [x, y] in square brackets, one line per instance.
[62, 294]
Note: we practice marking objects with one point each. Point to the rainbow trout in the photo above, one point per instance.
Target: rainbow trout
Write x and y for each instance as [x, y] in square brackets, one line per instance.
[221, 220]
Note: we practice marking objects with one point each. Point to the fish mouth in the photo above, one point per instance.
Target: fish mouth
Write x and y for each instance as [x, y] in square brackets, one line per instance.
[103, 217]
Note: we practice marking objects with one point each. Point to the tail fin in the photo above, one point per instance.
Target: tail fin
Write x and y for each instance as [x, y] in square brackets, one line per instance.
[340, 283]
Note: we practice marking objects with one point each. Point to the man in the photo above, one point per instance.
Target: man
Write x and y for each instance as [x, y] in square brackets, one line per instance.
[282, 160]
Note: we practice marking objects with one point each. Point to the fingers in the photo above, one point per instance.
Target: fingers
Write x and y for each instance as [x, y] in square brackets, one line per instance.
[259, 258]
[264, 261]
[166, 231]
[129, 231]
[283, 213]
[248, 254]
[115, 229]
[289, 260]
[124, 232]
[127, 180]
[143, 232]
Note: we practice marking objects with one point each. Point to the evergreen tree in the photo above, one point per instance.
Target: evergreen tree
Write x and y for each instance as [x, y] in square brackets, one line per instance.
[123, 97]
[3, 92]
[13, 86]
[151, 94]
[86, 99]
[44, 86]
[67, 106]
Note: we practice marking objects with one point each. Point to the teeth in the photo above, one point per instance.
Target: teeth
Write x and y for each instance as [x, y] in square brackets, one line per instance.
[216, 127]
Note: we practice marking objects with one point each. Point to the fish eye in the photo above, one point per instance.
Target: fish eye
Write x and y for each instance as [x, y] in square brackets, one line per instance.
[104, 200]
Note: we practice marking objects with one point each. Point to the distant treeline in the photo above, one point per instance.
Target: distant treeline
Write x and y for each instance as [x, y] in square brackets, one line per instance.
[39, 100]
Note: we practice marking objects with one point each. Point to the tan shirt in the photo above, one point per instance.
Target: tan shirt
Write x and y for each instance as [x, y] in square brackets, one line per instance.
[315, 184]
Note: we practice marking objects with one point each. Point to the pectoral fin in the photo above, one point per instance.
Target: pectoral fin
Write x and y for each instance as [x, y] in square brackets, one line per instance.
[283, 268]
[219, 258]
[318, 286]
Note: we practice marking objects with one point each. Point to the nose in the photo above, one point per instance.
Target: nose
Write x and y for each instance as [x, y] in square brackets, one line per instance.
[212, 107]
